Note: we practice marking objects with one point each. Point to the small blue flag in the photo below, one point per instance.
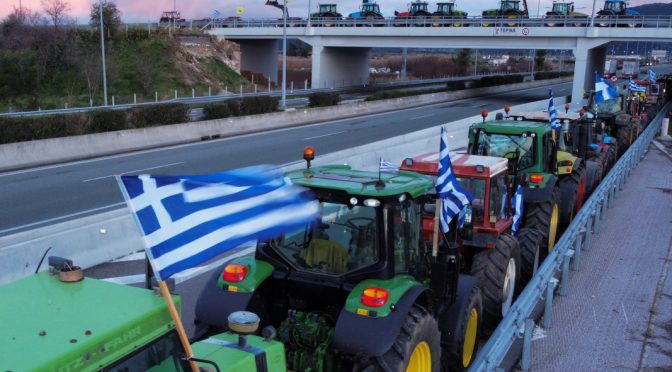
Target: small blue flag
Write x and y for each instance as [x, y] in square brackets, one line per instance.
[552, 112]
[216, 14]
[453, 197]
[652, 76]
[387, 167]
[603, 90]
[188, 220]
[634, 87]
[517, 202]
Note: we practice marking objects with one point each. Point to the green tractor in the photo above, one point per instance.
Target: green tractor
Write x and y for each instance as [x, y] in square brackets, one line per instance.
[502, 261]
[327, 15]
[563, 14]
[358, 289]
[446, 14]
[509, 10]
[553, 181]
[61, 321]
[613, 119]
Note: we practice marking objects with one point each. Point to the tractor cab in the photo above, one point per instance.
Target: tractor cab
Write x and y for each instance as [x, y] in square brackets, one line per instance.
[507, 5]
[328, 8]
[370, 7]
[561, 7]
[445, 8]
[616, 6]
[418, 7]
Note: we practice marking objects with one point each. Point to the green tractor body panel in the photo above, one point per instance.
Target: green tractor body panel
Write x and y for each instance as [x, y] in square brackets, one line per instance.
[566, 163]
[258, 271]
[49, 325]
[397, 287]
[362, 183]
[506, 7]
[222, 349]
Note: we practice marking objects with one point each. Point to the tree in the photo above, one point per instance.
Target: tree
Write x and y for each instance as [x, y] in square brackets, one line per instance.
[56, 10]
[539, 59]
[463, 61]
[111, 17]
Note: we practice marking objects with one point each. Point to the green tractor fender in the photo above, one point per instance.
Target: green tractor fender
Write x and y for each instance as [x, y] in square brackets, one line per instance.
[543, 192]
[622, 119]
[567, 163]
[370, 331]
[220, 298]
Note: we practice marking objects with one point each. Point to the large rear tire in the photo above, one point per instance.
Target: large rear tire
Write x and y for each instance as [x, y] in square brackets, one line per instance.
[416, 349]
[498, 270]
[624, 136]
[594, 173]
[545, 217]
[461, 326]
[530, 254]
[573, 192]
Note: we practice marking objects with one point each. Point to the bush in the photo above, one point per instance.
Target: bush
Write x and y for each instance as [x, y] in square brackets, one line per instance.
[234, 106]
[153, 115]
[543, 75]
[216, 110]
[107, 121]
[322, 99]
[489, 81]
[258, 105]
[455, 85]
[41, 127]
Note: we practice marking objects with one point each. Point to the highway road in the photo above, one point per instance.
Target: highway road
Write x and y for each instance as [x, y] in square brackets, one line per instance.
[41, 196]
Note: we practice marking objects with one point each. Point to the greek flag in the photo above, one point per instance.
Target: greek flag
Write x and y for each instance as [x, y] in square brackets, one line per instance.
[188, 220]
[552, 112]
[652, 76]
[453, 197]
[387, 167]
[603, 90]
[517, 202]
[634, 87]
[216, 14]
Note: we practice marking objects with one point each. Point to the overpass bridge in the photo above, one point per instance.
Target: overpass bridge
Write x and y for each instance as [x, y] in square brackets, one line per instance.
[340, 55]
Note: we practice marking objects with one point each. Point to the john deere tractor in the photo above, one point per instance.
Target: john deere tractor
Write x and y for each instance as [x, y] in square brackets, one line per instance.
[502, 261]
[327, 15]
[613, 119]
[615, 11]
[368, 14]
[447, 15]
[509, 13]
[359, 288]
[416, 15]
[563, 14]
[553, 181]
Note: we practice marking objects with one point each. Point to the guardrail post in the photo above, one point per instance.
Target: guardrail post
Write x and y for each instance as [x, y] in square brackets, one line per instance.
[548, 303]
[175, 93]
[527, 345]
[291, 86]
[209, 91]
[90, 102]
[577, 249]
[156, 96]
[255, 88]
[226, 89]
[565, 273]
[135, 99]
[269, 84]
[589, 234]
[193, 93]
[112, 100]
[305, 84]
[241, 90]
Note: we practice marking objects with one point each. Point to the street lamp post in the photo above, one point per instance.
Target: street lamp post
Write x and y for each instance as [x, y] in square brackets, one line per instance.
[102, 52]
[283, 101]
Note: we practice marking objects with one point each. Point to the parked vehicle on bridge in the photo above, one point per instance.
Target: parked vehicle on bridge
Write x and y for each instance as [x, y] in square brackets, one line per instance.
[59, 320]
[369, 11]
[615, 11]
[502, 261]
[416, 15]
[327, 15]
[359, 289]
[509, 13]
[447, 15]
[563, 14]
[553, 181]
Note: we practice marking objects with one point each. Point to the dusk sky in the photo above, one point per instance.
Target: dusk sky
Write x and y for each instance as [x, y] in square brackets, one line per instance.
[150, 11]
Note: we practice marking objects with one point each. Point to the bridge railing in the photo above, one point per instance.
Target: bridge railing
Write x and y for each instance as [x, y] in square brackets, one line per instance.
[518, 322]
[509, 21]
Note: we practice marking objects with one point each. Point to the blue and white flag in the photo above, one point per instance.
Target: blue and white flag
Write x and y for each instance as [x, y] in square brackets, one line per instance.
[652, 76]
[216, 14]
[387, 167]
[603, 90]
[634, 87]
[188, 220]
[517, 202]
[552, 112]
[453, 197]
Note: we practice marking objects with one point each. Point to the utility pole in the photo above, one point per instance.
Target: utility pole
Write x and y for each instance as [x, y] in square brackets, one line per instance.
[404, 57]
[283, 103]
[102, 52]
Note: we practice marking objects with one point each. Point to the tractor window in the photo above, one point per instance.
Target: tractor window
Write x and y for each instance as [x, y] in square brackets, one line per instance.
[499, 206]
[518, 149]
[406, 236]
[477, 189]
[567, 136]
[343, 240]
[613, 5]
[506, 5]
[445, 8]
[161, 355]
[560, 8]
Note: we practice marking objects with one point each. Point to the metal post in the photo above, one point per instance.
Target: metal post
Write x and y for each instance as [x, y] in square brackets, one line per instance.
[102, 52]
[548, 306]
[404, 57]
[308, 13]
[291, 89]
[283, 100]
[135, 99]
[565, 273]
[255, 88]
[241, 90]
[269, 84]
[476, 64]
[527, 345]
[577, 249]
[589, 235]
[592, 15]
[193, 93]
[226, 89]
[175, 93]
[112, 100]
[156, 96]
[209, 91]
[305, 84]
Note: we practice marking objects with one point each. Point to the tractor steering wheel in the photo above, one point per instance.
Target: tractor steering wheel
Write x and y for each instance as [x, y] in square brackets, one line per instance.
[359, 223]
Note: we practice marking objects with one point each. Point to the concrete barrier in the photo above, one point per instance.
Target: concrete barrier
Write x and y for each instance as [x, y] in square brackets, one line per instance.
[58, 150]
[92, 240]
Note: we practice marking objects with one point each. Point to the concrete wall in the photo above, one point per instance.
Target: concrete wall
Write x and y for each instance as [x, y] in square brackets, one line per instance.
[587, 60]
[58, 150]
[338, 67]
[260, 56]
[99, 238]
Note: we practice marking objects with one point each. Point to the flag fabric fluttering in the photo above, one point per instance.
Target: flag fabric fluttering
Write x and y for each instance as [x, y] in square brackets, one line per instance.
[634, 87]
[387, 167]
[188, 220]
[216, 13]
[448, 190]
[517, 203]
[652, 76]
[603, 90]
[552, 112]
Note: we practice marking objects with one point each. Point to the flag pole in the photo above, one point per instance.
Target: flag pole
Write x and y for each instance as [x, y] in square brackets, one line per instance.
[435, 238]
[178, 324]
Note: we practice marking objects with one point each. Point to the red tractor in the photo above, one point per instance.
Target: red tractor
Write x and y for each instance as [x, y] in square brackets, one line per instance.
[503, 261]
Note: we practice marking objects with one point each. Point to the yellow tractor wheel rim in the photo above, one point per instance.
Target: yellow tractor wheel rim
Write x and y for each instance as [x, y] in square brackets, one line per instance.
[470, 338]
[553, 228]
[421, 358]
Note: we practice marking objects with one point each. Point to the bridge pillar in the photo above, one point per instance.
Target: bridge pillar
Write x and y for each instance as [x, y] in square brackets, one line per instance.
[586, 61]
[260, 56]
[334, 67]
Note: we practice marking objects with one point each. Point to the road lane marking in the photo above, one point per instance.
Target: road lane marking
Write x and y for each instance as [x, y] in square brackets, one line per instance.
[133, 171]
[421, 116]
[324, 135]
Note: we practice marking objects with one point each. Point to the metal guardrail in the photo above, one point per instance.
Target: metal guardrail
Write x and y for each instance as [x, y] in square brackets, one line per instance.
[599, 21]
[577, 238]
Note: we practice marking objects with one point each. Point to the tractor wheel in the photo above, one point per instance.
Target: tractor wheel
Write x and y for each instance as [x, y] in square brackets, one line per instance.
[530, 246]
[417, 347]
[603, 20]
[498, 270]
[552, 21]
[623, 137]
[461, 326]
[612, 157]
[594, 174]
[545, 217]
[573, 192]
